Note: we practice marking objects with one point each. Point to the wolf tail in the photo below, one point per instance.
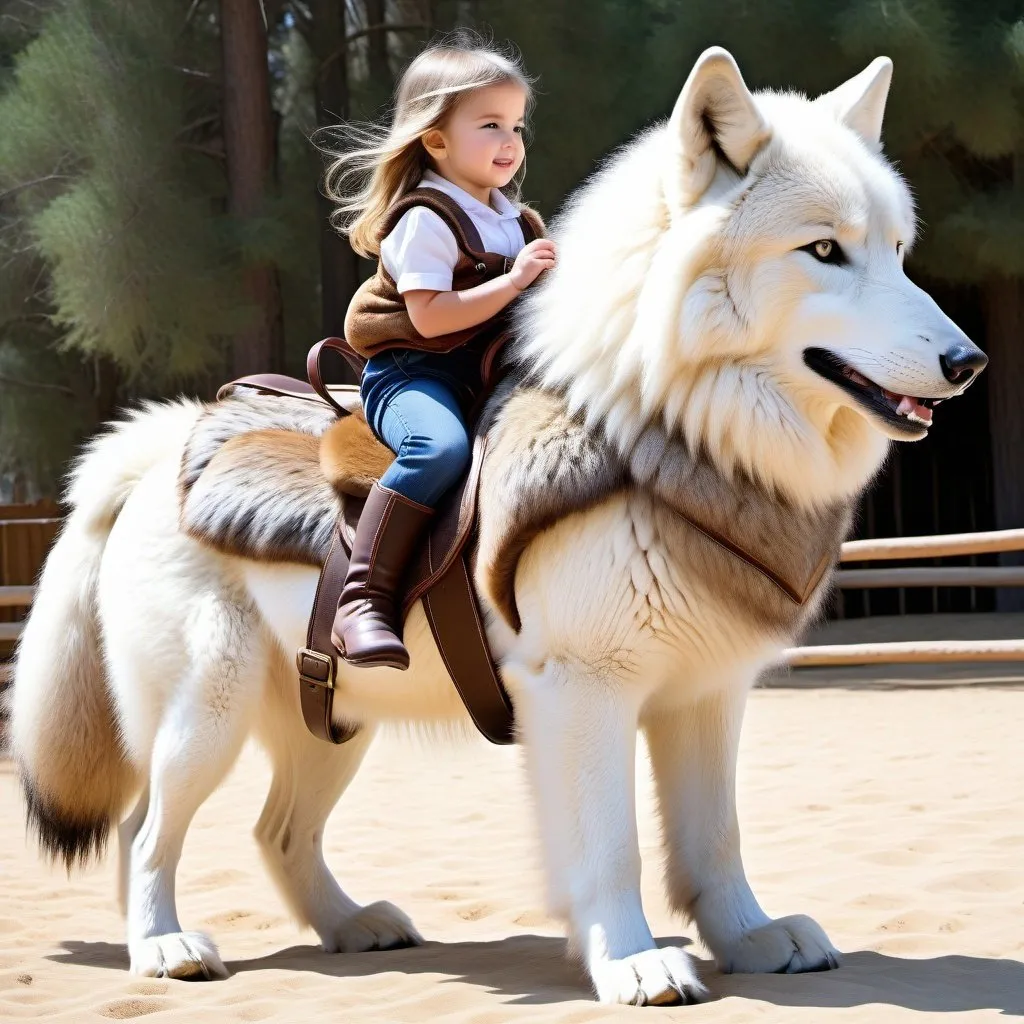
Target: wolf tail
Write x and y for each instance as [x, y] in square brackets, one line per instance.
[64, 734]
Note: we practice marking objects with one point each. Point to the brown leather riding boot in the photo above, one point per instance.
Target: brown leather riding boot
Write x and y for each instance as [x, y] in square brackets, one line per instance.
[365, 627]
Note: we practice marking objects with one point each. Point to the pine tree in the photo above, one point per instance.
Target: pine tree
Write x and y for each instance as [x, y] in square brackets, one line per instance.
[119, 198]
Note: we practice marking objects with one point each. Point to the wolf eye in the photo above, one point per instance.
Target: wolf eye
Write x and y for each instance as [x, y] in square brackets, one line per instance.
[824, 250]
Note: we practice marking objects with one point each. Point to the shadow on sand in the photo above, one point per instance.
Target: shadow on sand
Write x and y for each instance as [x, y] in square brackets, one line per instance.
[533, 969]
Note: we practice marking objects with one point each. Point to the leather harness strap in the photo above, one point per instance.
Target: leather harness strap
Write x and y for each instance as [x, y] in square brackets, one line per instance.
[451, 609]
[317, 662]
[315, 374]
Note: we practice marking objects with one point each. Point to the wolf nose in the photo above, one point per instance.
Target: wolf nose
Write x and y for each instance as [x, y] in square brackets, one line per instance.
[961, 362]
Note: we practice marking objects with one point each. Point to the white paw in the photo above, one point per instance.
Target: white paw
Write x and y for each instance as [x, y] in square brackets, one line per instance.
[789, 945]
[190, 955]
[378, 926]
[655, 977]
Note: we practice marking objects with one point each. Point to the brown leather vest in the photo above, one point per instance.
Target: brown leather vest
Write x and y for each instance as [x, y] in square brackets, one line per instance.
[377, 318]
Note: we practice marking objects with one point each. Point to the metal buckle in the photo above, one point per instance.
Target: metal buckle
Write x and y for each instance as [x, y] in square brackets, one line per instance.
[315, 669]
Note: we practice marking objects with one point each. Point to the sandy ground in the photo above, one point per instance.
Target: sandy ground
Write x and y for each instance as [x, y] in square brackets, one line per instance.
[893, 814]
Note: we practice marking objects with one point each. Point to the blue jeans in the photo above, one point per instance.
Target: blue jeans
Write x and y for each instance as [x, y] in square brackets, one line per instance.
[412, 405]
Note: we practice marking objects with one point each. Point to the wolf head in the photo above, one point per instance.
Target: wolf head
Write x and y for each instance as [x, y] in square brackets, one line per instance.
[737, 273]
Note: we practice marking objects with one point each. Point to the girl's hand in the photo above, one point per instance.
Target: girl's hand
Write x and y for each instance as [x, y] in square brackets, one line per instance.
[531, 262]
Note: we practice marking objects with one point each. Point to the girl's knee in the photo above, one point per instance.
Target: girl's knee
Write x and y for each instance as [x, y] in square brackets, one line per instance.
[451, 456]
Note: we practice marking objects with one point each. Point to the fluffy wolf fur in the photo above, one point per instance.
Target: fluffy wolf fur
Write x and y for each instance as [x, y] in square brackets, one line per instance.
[150, 657]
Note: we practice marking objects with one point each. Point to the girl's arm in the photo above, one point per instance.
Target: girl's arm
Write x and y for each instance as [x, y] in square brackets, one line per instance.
[436, 313]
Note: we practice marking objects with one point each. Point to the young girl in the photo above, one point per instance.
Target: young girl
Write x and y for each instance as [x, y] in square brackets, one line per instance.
[454, 250]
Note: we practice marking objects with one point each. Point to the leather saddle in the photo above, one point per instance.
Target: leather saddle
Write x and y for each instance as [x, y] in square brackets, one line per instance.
[439, 576]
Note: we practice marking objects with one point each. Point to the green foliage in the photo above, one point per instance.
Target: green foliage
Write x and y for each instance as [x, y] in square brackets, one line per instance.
[45, 408]
[142, 263]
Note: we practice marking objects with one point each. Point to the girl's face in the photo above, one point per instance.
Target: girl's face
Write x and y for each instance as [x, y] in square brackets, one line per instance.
[480, 146]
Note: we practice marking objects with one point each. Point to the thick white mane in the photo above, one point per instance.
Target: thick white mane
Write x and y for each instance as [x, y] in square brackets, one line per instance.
[640, 322]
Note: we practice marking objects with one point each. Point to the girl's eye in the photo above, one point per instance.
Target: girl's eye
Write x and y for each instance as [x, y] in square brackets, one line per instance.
[825, 250]
[519, 128]
[493, 124]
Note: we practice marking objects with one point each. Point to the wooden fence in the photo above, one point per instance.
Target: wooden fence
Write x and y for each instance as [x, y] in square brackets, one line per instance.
[895, 548]
[26, 533]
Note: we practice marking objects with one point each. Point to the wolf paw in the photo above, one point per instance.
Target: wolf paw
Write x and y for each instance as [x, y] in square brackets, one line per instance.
[655, 977]
[378, 926]
[188, 955]
[789, 945]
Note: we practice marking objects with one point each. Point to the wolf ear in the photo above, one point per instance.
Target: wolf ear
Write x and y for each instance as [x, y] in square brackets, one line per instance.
[860, 102]
[715, 116]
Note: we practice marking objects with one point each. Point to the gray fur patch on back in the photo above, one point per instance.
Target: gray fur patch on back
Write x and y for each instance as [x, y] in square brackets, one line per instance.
[240, 414]
[250, 482]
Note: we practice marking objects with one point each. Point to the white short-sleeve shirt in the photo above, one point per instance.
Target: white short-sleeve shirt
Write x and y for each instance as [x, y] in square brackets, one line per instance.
[421, 252]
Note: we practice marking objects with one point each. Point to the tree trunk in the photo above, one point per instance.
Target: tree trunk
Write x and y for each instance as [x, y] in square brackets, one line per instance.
[106, 385]
[468, 15]
[377, 42]
[378, 63]
[1004, 331]
[436, 17]
[249, 147]
[339, 265]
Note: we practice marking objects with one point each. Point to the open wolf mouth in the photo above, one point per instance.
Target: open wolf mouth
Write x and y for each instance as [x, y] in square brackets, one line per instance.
[912, 416]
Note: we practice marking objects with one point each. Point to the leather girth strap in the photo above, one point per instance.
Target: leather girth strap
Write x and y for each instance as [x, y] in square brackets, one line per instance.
[457, 626]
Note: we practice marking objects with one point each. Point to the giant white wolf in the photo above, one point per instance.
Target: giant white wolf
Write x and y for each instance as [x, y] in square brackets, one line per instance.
[729, 322]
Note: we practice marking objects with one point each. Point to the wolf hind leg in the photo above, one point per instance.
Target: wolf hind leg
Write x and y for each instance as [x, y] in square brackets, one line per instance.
[693, 754]
[126, 833]
[197, 741]
[579, 734]
[309, 777]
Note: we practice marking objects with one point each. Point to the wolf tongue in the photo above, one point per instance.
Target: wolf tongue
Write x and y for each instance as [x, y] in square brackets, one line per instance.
[911, 405]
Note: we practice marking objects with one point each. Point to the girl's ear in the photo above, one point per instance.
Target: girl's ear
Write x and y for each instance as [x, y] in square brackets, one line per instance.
[434, 144]
[715, 118]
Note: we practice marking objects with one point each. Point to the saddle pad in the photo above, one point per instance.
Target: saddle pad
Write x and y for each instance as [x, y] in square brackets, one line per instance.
[275, 475]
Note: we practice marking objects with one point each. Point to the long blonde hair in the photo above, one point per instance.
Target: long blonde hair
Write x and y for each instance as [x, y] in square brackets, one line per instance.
[379, 163]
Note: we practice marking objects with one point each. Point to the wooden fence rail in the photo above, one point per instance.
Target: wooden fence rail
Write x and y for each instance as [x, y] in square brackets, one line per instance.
[16, 597]
[905, 652]
[932, 576]
[932, 547]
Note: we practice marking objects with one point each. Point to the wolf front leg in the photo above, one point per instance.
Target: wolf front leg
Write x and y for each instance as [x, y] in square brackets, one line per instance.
[579, 733]
[693, 753]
